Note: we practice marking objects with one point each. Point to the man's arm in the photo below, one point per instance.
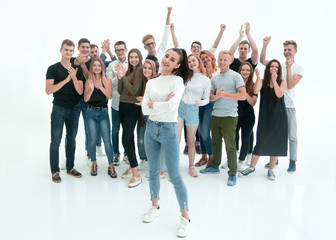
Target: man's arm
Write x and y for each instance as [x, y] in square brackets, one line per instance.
[236, 43]
[163, 45]
[263, 59]
[241, 95]
[219, 37]
[292, 80]
[173, 34]
[254, 54]
[51, 87]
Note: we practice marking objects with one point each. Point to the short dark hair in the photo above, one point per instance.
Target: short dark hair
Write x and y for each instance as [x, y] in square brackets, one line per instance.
[83, 40]
[197, 42]
[245, 42]
[93, 46]
[120, 43]
[67, 42]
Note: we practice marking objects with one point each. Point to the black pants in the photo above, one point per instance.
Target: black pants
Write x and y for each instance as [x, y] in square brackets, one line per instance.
[245, 123]
[129, 114]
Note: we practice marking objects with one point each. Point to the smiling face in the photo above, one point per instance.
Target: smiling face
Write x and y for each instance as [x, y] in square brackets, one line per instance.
[193, 63]
[150, 45]
[205, 59]
[243, 50]
[96, 67]
[133, 59]
[274, 68]
[94, 52]
[170, 62]
[289, 51]
[147, 70]
[245, 71]
[67, 51]
[196, 49]
[84, 48]
[224, 61]
[120, 51]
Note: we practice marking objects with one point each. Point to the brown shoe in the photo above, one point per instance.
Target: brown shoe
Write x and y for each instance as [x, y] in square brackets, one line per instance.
[111, 171]
[73, 172]
[209, 161]
[56, 177]
[94, 169]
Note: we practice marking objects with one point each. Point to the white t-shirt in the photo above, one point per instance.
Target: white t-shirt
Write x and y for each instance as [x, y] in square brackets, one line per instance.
[157, 90]
[198, 88]
[290, 93]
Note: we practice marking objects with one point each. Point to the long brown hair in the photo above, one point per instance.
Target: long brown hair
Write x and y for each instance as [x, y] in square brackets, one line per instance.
[249, 83]
[130, 73]
[213, 60]
[102, 73]
[153, 65]
[267, 77]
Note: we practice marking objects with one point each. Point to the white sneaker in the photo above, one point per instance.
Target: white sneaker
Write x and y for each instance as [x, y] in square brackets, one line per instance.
[225, 165]
[143, 165]
[240, 167]
[184, 227]
[270, 175]
[125, 159]
[127, 173]
[248, 159]
[63, 165]
[151, 214]
[99, 151]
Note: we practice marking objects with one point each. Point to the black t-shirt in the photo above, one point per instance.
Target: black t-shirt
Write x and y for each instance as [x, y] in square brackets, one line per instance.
[66, 96]
[87, 64]
[236, 64]
[98, 99]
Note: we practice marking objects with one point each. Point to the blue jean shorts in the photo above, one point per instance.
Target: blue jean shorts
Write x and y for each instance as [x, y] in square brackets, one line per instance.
[188, 113]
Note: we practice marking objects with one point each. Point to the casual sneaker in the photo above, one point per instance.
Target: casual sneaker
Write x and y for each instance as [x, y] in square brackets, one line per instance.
[276, 164]
[152, 213]
[56, 177]
[291, 167]
[270, 175]
[63, 165]
[73, 172]
[240, 167]
[183, 228]
[209, 170]
[246, 172]
[116, 159]
[125, 159]
[231, 180]
[248, 159]
[99, 151]
[134, 181]
[185, 151]
[127, 173]
[198, 149]
[143, 166]
[225, 165]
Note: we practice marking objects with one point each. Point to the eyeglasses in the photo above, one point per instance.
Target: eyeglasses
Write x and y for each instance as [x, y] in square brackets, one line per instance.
[196, 47]
[150, 44]
[119, 50]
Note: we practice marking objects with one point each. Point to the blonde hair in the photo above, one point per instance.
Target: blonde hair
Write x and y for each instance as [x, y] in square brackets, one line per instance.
[146, 37]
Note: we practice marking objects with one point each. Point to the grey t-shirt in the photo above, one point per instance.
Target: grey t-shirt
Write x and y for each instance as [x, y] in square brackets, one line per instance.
[230, 81]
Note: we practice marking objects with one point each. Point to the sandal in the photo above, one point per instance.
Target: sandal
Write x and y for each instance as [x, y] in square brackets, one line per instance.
[201, 162]
[111, 171]
[94, 169]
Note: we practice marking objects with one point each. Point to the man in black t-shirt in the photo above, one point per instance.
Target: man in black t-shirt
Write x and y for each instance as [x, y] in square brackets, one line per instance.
[63, 80]
[244, 49]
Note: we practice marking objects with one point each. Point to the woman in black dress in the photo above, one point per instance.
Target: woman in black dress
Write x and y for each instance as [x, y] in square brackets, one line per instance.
[272, 128]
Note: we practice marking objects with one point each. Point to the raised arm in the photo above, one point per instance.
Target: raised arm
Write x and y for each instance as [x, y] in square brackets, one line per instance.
[219, 37]
[173, 34]
[254, 54]
[259, 82]
[236, 43]
[292, 80]
[263, 59]
[163, 45]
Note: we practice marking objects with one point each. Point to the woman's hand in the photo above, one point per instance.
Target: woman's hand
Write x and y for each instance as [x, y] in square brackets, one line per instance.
[170, 96]
[198, 102]
[140, 98]
[150, 104]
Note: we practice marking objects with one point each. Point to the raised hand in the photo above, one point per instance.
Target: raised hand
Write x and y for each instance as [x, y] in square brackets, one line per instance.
[267, 40]
[247, 28]
[223, 27]
[72, 72]
[241, 31]
[170, 9]
[274, 75]
[257, 72]
[90, 84]
[290, 62]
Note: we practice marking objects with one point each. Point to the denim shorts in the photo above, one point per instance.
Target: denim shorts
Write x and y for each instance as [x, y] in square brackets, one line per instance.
[188, 113]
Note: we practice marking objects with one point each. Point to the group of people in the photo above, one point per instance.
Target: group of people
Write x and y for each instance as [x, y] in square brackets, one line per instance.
[166, 92]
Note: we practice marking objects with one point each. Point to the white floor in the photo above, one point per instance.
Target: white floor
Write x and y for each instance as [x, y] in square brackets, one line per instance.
[295, 206]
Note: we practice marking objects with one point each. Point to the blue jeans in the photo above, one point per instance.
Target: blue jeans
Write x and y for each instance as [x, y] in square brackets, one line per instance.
[141, 142]
[59, 117]
[204, 128]
[115, 130]
[162, 137]
[98, 121]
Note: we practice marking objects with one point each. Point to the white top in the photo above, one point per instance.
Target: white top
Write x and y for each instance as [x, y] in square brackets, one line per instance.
[198, 88]
[157, 90]
[163, 45]
[290, 93]
[112, 73]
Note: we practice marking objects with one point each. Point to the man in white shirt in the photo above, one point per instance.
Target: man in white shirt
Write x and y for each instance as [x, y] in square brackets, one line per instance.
[292, 73]
[120, 50]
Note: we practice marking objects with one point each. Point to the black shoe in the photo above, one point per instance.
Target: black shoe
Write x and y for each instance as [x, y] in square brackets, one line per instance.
[56, 177]
[246, 172]
[276, 164]
[73, 172]
[291, 167]
[198, 149]
[185, 151]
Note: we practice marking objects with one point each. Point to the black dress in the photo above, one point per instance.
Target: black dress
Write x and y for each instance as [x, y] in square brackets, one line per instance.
[272, 131]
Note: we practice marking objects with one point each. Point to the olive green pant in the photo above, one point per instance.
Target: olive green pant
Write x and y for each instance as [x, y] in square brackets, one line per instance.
[224, 127]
